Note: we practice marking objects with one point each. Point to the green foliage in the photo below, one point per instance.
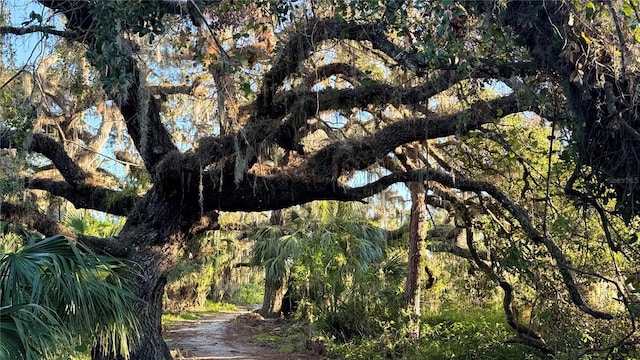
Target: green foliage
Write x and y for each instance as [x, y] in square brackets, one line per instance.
[206, 270]
[61, 292]
[16, 112]
[479, 334]
[470, 334]
[189, 284]
[249, 293]
[335, 261]
[110, 52]
[85, 223]
[17, 115]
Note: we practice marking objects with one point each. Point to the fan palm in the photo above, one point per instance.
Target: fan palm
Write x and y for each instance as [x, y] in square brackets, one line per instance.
[83, 222]
[327, 247]
[55, 290]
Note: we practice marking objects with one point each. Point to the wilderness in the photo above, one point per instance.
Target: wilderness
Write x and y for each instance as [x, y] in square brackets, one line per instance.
[398, 179]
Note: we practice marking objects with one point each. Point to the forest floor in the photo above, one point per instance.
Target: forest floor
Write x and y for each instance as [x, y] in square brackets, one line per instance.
[241, 335]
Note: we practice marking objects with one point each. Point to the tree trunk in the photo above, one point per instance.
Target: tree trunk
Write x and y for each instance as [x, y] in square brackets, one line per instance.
[272, 303]
[273, 292]
[149, 268]
[153, 245]
[416, 243]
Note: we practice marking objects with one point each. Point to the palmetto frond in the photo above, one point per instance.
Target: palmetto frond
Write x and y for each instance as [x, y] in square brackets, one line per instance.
[84, 223]
[69, 290]
[28, 331]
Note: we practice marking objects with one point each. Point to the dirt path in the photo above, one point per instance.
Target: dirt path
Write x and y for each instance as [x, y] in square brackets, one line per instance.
[218, 337]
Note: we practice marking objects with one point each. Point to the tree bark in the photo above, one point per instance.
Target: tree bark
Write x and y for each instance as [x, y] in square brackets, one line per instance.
[272, 303]
[153, 236]
[416, 243]
[149, 279]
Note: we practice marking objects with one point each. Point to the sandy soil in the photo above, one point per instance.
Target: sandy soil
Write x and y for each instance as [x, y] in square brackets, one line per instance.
[227, 335]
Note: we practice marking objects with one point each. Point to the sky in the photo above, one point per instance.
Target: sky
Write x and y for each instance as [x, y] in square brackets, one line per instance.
[28, 48]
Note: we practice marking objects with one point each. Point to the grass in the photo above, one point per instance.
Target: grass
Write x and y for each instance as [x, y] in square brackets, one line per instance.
[209, 308]
[287, 340]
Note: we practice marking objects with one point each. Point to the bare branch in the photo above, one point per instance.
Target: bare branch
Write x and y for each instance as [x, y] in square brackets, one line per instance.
[47, 30]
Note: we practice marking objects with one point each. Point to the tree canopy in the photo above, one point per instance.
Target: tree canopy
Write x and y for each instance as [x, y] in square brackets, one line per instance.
[519, 117]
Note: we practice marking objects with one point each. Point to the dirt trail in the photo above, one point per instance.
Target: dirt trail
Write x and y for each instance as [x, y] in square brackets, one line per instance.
[206, 339]
[218, 337]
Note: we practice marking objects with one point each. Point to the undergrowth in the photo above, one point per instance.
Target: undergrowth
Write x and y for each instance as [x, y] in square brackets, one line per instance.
[475, 334]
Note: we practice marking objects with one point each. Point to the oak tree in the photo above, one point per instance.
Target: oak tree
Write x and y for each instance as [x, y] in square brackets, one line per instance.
[166, 112]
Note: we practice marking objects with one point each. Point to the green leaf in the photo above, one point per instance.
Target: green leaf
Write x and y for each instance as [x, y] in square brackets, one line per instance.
[628, 9]
[246, 88]
[590, 9]
[39, 281]
[636, 34]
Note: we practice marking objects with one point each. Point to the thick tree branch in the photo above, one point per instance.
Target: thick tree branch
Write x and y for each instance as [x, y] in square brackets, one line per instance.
[339, 157]
[38, 221]
[33, 219]
[144, 123]
[352, 155]
[87, 196]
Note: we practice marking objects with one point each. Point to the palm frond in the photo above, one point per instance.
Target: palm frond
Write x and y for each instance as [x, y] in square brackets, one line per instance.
[28, 331]
[81, 288]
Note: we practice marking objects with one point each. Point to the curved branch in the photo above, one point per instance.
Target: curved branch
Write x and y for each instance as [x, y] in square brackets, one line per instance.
[33, 219]
[48, 147]
[463, 183]
[38, 221]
